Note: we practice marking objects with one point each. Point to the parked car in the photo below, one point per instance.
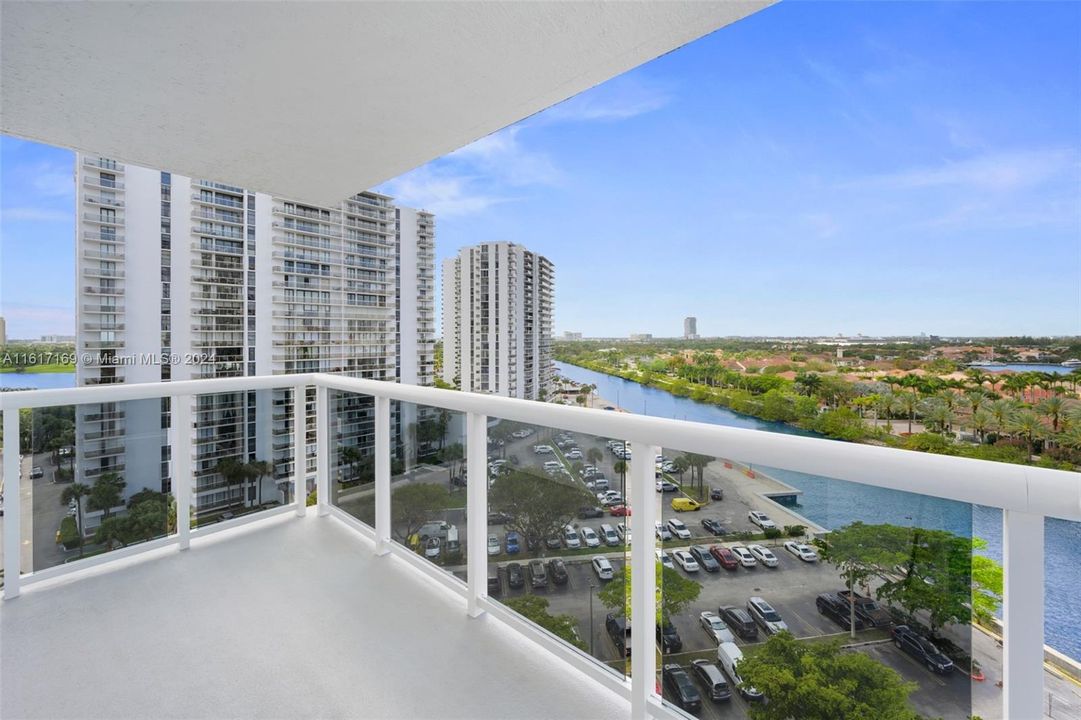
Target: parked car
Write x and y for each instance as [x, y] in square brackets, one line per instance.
[574, 454]
[494, 547]
[740, 621]
[837, 610]
[685, 560]
[620, 511]
[685, 504]
[600, 482]
[761, 520]
[922, 649]
[495, 581]
[715, 627]
[589, 537]
[668, 637]
[764, 614]
[602, 567]
[590, 512]
[498, 518]
[570, 538]
[729, 657]
[664, 486]
[665, 559]
[542, 449]
[679, 529]
[680, 688]
[744, 556]
[553, 543]
[432, 547]
[610, 497]
[624, 533]
[872, 614]
[515, 576]
[712, 679]
[805, 553]
[663, 533]
[716, 493]
[609, 535]
[706, 561]
[619, 630]
[713, 527]
[36, 472]
[763, 555]
[725, 557]
[557, 570]
[513, 543]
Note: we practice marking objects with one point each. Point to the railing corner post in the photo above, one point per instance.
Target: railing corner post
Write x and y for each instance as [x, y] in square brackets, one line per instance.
[13, 511]
[1022, 614]
[180, 429]
[322, 432]
[643, 578]
[382, 475]
[300, 449]
[476, 484]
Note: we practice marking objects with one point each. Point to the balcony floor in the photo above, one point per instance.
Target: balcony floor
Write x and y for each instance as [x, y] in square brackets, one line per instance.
[289, 619]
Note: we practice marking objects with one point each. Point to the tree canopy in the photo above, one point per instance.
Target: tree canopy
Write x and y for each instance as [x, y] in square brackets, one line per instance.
[538, 506]
[674, 592]
[535, 609]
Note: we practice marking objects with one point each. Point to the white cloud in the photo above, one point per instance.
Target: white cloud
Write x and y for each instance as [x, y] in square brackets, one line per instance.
[995, 172]
[503, 158]
[447, 195]
[618, 99]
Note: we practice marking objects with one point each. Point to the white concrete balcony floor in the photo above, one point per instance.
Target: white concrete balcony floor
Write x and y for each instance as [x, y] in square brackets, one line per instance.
[289, 618]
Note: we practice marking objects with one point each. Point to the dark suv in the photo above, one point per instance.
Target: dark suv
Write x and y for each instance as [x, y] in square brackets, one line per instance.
[706, 561]
[872, 614]
[668, 637]
[515, 576]
[922, 649]
[557, 570]
[740, 621]
[678, 683]
[837, 610]
[712, 679]
[620, 633]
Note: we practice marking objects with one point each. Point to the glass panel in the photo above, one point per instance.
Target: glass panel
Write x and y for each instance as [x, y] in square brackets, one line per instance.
[352, 454]
[557, 550]
[1062, 696]
[243, 447]
[428, 479]
[96, 479]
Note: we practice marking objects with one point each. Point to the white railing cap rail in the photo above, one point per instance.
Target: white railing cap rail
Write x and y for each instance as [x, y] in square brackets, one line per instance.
[1023, 488]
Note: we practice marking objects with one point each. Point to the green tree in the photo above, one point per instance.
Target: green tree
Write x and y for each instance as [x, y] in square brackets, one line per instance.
[106, 493]
[413, 505]
[820, 681]
[981, 422]
[909, 403]
[594, 455]
[986, 581]
[535, 609]
[674, 592]
[1027, 425]
[76, 492]
[938, 578]
[539, 506]
[1052, 408]
[622, 467]
[234, 474]
[257, 470]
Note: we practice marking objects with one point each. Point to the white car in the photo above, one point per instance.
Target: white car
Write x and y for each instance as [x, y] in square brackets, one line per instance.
[685, 560]
[575, 454]
[610, 498]
[624, 533]
[665, 559]
[763, 555]
[493, 545]
[744, 556]
[570, 538]
[602, 567]
[761, 520]
[679, 529]
[663, 533]
[431, 548]
[520, 434]
[716, 628]
[804, 552]
[589, 537]
[553, 465]
[542, 449]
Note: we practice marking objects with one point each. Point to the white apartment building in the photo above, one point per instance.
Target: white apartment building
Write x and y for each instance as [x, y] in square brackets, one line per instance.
[497, 320]
[690, 328]
[183, 279]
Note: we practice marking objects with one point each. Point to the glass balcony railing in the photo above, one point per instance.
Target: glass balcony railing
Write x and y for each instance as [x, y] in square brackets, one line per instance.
[684, 566]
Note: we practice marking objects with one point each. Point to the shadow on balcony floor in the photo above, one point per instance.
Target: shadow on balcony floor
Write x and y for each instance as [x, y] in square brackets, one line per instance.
[291, 619]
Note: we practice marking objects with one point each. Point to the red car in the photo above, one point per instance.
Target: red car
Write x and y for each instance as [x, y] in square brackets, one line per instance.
[725, 557]
[620, 511]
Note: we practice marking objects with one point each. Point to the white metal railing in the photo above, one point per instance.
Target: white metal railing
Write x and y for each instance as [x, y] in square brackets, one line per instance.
[1025, 494]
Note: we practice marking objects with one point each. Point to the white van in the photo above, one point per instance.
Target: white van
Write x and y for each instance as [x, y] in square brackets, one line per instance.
[600, 484]
[608, 534]
[729, 656]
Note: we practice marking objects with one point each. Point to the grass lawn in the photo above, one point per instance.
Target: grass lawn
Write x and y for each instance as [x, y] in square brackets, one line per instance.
[50, 368]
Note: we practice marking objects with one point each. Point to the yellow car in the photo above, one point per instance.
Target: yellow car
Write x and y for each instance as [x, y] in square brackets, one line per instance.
[684, 504]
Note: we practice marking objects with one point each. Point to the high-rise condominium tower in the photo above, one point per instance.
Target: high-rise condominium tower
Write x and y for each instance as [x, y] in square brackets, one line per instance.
[180, 278]
[690, 328]
[497, 320]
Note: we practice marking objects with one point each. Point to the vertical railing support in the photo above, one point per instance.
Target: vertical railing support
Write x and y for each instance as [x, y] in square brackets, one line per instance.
[322, 463]
[13, 505]
[476, 510]
[643, 579]
[180, 430]
[1022, 614]
[382, 475]
[300, 449]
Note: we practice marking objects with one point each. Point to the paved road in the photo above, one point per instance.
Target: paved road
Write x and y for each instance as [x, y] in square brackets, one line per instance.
[41, 514]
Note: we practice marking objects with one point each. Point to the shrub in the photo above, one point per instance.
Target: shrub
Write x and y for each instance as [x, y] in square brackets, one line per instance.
[69, 533]
[744, 535]
[312, 500]
[795, 530]
[771, 533]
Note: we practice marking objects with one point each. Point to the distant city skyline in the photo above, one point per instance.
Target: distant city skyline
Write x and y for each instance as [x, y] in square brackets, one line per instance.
[878, 168]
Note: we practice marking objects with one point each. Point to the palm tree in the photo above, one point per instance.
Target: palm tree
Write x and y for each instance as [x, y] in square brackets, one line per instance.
[909, 403]
[975, 399]
[1052, 408]
[885, 404]
[259, 469]
[106, 493]
[981, 422]
[978, 377]
[76, 492]
[938, 414]
[594, 455]
[621, 468]
[1028, 425]
[1016, 384]
[232, 471]
[1002, 411]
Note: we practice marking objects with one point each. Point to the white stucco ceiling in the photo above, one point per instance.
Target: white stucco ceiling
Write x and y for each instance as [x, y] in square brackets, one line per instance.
[313, 100]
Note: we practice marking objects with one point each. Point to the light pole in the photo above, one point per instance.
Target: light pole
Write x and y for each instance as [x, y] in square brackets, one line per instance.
[592, 587]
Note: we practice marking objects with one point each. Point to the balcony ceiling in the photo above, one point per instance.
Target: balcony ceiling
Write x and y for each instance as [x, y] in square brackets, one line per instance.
[313, 101]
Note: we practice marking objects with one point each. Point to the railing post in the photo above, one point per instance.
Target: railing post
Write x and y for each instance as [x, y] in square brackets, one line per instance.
[1022, 614]
[300, 449]
[476, 510]
[643, 580]
[322, 465]
[382, 475]
[180, 452]
[12, 505]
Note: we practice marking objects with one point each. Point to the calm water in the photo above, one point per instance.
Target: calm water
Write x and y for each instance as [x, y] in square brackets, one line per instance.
[37, 381]
[1023, 367]
[833, 503]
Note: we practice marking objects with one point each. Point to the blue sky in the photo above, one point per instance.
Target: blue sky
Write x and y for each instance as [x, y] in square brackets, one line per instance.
[816, 168]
